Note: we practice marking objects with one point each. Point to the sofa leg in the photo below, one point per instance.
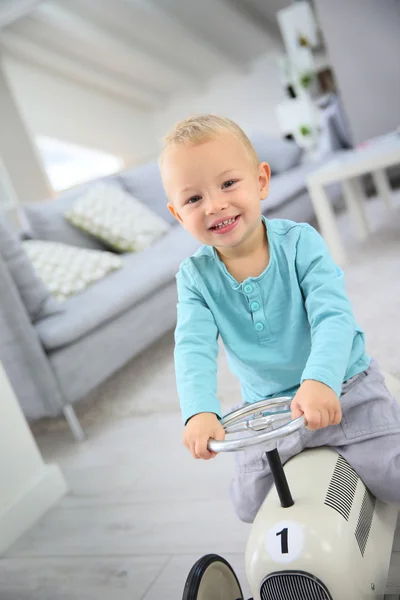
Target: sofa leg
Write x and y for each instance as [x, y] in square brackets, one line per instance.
[72, 420]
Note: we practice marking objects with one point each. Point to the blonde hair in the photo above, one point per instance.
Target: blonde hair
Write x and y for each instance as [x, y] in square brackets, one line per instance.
[202, 128]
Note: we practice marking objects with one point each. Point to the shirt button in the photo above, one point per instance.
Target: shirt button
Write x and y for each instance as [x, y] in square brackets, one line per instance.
[254, 306]
[248, 288]
[259, 326]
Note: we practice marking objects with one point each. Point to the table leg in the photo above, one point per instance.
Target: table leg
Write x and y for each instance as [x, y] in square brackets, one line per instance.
[382, 186]
[327, 222]
[355, 201]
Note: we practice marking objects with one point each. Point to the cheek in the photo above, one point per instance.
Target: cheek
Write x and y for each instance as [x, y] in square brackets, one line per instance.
[247, 193]
[191, 219]
[197, 220]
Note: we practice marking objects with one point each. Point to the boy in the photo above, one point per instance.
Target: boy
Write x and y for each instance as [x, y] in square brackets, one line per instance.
[270, 289]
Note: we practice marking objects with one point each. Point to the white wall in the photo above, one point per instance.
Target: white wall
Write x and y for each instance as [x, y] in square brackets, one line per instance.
[54, 107]
[28, 487]
[249, 99]
[18, 152]
[363, 42]
[64, 110]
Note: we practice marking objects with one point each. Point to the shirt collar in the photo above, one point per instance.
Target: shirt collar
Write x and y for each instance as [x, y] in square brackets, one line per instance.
[234, 283]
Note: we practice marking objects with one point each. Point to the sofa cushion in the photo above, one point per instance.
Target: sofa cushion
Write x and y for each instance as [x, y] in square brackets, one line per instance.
[144, 182]
[118, 219]
[34, 294]
[68, 270]
[280, 154]
[143, 274]
[286, 186]
[47, 222]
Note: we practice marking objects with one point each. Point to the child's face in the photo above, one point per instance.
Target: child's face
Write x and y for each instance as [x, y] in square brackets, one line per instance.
[212, 183]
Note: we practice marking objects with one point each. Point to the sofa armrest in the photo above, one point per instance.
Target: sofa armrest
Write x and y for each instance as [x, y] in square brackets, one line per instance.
[23, 356]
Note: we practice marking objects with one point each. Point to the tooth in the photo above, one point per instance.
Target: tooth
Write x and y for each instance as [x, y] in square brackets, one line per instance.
[223, 223]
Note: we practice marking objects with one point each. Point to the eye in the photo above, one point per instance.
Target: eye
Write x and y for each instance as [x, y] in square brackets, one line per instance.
[193, 199]
[229, 183]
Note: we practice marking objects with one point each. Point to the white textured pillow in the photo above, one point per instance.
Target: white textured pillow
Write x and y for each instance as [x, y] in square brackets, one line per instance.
[117, 218]
[68, 270]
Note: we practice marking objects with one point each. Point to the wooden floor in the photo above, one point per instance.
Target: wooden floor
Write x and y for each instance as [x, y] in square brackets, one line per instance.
[139, 514]
[393, 586]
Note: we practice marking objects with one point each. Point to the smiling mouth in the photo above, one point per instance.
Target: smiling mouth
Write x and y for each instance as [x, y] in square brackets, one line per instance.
[224, 224]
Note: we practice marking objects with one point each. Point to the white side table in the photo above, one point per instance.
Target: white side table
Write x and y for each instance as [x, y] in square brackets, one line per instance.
[346, 168]
[28, 487]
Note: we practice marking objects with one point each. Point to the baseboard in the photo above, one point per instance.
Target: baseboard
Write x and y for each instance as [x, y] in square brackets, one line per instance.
[29, 508]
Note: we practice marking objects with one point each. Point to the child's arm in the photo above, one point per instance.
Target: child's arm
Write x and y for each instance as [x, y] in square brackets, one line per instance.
[196, 351]
[328, 309]
[332, 332]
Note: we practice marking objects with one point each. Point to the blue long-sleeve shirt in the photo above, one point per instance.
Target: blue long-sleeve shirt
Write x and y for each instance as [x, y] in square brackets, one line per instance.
[293, 322]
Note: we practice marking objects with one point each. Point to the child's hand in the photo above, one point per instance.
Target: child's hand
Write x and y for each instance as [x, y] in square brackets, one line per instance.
[318, 403]
[199, 430]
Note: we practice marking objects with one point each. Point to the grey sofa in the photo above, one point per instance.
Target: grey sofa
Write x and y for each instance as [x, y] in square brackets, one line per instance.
[55, 354]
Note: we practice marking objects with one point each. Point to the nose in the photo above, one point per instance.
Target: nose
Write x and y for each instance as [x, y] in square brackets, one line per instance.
[216, 203]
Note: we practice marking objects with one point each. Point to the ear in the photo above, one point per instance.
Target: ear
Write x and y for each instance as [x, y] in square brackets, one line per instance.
[264, 177]
[174, 213]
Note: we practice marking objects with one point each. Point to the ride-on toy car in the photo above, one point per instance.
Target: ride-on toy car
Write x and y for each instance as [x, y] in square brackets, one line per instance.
[324, 538]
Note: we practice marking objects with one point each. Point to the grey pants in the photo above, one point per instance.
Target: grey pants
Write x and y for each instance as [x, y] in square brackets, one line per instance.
[368, 438]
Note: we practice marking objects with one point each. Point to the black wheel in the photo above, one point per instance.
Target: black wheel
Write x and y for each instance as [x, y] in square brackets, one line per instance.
[212, 578]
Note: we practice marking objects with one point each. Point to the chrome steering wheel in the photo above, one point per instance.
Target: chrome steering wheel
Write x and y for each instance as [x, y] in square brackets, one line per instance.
[264, 417]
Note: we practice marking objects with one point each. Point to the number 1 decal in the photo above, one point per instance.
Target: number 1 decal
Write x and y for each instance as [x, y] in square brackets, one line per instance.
[285, 542]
